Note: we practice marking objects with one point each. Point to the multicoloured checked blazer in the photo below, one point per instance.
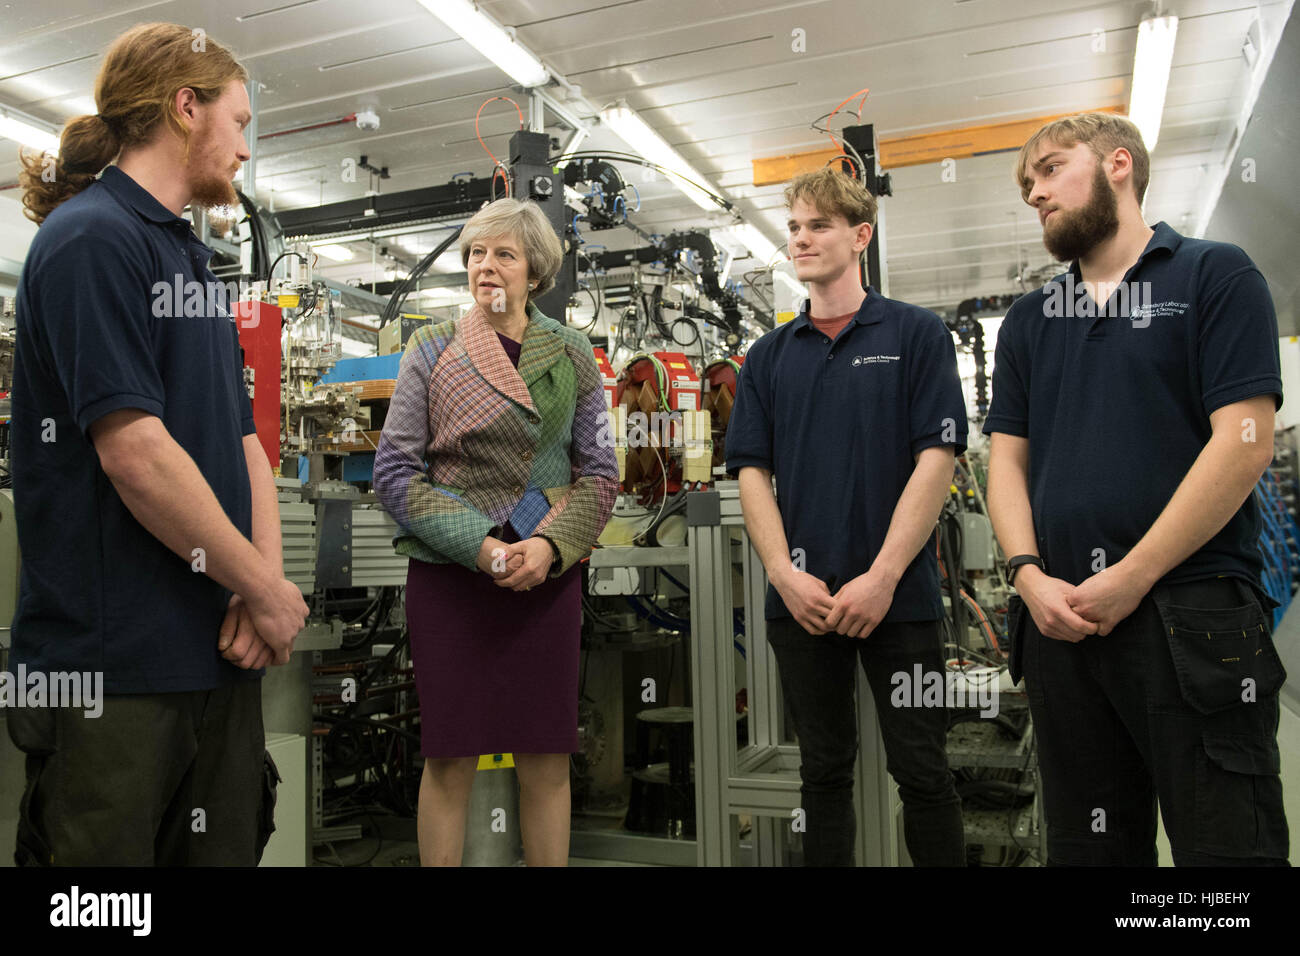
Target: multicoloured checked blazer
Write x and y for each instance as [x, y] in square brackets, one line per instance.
[531, 446]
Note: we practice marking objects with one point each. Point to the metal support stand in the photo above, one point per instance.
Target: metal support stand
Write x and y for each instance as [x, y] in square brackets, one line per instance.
[762, 778]
[250, 134]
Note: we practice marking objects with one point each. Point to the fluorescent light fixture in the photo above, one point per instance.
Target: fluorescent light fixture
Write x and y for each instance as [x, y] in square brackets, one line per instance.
[336, 252]
[447, 296]
[354, 349]
[634, 131]
[276, 197]
[27, 133]
[491, 39]
[1151, 63]
[448, 262]
[360, 233]
[758, 244]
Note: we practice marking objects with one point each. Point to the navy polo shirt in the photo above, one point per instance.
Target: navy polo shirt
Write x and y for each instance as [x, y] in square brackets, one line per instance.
[102, 325]
[1116, 406]
[839, 424]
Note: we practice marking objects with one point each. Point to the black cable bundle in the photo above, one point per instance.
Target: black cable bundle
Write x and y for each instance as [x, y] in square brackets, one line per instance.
[407, 285]
[261, 245]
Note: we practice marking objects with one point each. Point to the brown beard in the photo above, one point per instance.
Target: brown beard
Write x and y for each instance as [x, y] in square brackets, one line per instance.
[1077, 231]
[209, 192]
[209, 189]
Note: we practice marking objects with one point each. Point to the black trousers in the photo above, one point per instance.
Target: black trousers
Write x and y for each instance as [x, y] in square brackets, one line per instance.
[1179, 703]
[818, 675]
[175, 779]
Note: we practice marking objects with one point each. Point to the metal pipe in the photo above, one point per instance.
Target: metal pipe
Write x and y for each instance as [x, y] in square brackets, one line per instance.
[250, 167]
[351, 117]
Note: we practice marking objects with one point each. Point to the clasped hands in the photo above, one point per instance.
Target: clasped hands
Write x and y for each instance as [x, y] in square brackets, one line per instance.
[255, 634]
[854, 610]
[1060, 610]
[1065, 612]
[518, 566]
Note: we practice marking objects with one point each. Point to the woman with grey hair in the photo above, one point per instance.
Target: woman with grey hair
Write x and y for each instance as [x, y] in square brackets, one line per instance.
[496, 465]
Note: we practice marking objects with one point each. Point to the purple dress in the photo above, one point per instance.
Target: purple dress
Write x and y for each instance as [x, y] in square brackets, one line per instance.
[496, 670]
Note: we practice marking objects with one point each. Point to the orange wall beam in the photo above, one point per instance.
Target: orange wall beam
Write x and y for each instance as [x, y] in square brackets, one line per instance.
[915, 150]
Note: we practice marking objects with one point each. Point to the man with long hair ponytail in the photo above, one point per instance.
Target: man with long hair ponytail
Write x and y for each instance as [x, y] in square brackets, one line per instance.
[142, 72]
[151, 577]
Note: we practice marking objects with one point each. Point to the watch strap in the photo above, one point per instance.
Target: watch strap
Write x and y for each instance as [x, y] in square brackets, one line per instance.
[1019, 561]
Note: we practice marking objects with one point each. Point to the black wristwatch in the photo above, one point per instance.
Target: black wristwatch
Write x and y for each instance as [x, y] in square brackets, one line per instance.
[1021, 560]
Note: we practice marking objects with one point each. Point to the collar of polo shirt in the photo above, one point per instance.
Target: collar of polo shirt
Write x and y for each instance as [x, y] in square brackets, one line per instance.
[867, 313]
[1163, 237]
[137, 197]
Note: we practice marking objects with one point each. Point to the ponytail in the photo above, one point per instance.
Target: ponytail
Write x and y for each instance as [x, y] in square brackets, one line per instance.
[88, 144]
[134, 92]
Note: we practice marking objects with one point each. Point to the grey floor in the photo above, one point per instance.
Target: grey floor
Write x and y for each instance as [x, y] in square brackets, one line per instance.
[406, 853]
[399, 849]
[402, 853]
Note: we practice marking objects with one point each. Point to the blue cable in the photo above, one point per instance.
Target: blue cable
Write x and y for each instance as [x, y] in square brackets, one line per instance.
[1279, 557]
[662, 618]
[735, 618]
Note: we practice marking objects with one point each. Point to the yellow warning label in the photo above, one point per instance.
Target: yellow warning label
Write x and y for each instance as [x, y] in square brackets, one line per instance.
[495, 761]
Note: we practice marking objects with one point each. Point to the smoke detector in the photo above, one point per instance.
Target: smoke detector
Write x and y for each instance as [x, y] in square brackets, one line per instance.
[367, 120]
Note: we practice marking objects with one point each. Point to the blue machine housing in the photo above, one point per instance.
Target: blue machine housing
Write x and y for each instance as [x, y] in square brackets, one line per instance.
[358, 466]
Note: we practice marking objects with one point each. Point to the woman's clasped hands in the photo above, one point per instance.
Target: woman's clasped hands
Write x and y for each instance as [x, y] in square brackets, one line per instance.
[518, 566]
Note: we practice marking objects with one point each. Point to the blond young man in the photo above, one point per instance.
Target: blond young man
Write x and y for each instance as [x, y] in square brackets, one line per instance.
[856, 407]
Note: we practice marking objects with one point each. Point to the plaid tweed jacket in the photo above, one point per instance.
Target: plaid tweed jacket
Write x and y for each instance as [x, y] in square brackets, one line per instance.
[531, 446]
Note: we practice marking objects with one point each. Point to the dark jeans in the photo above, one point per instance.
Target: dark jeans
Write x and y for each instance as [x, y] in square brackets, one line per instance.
[818, 675]
[1179, 702]
[125, 788]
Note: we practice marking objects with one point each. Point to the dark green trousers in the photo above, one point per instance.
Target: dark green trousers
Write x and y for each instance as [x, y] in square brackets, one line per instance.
[175, 779]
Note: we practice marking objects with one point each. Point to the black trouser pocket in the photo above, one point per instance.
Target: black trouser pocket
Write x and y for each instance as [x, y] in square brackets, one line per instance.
[34, 731]
[1239, 810]
[30, 848]
[266, 813]
[1223, 657]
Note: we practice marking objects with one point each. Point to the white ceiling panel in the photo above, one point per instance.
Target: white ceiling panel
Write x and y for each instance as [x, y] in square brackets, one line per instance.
[717, 78]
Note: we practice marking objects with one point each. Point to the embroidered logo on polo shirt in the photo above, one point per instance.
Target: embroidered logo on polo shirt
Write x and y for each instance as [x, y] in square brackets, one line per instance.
[873, 359]
[1143, 314]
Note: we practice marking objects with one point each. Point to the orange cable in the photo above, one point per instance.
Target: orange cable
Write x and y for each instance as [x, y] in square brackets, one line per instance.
[863, 93]
[480, 111]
